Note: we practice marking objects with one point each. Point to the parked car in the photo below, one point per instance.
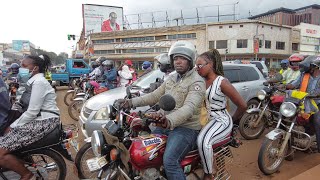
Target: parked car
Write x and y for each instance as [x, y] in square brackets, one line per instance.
[262, 66]
[246, 78]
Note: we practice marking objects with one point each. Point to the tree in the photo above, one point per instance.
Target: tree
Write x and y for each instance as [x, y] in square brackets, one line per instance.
[55, 59]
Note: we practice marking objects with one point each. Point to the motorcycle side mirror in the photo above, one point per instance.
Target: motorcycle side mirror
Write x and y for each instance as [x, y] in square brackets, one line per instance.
[167, 102]
[278, 77]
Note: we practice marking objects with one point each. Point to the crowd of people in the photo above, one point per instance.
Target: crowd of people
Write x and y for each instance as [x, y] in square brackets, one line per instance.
[195, 82]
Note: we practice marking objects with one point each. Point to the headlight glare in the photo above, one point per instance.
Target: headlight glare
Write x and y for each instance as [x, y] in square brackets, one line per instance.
[261, 95]
[288, 109]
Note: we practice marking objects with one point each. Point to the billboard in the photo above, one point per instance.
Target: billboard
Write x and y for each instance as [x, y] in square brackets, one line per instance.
[21, 45]
[100, 18]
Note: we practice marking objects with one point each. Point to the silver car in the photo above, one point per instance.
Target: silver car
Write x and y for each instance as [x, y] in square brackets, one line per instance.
[246, 78]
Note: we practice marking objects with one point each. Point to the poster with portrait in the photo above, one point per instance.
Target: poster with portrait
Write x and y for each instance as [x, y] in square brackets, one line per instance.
[101, 18]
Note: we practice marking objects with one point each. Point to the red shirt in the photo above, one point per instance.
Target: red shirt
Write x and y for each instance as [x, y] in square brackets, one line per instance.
[106, 26]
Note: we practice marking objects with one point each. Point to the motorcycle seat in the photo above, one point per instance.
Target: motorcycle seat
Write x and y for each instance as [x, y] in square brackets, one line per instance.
[52, 138]
[195, 151]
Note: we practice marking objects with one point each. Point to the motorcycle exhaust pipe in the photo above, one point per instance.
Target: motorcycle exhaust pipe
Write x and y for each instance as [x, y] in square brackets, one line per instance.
[124, 173]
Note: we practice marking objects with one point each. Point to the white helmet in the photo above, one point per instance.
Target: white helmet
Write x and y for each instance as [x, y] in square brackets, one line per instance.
[185, 49]
[163, 58]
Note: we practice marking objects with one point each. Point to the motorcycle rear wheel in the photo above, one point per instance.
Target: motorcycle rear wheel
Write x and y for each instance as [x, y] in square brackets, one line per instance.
[49, 160]
[246, 121]
[269, 149]
[74, 109]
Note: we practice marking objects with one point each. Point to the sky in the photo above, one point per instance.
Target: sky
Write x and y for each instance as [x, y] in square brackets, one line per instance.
[46, 23]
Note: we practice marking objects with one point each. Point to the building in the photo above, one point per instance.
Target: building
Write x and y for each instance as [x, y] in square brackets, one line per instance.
[309, 39]
[291, 17]
[234, 40]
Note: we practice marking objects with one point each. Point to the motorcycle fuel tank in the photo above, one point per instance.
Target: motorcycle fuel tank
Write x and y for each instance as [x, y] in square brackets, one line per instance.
[147, 151]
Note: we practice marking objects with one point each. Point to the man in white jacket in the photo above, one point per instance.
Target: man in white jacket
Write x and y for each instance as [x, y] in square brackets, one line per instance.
[125, 75]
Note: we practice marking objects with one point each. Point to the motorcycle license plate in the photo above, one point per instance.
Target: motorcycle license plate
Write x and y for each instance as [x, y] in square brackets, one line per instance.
[96, 163]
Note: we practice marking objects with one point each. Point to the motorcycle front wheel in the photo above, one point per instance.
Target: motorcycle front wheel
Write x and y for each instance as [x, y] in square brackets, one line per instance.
[68, 98]
[74, 109]
[269, 160]
[246, 126]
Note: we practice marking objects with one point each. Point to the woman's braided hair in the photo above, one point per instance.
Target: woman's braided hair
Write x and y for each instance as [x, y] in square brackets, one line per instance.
[214, 56]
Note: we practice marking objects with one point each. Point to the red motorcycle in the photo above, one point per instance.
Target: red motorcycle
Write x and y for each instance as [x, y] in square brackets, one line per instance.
[146, 152]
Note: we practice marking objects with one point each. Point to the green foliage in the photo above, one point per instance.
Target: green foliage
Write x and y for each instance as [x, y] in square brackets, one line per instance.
[55, 59]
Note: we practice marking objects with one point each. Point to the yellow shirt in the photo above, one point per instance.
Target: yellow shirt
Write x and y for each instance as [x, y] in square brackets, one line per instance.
[290, 75]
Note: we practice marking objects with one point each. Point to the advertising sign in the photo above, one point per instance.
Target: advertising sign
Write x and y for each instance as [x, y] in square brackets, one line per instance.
[100, 18]
[255, 45]
[21, 45]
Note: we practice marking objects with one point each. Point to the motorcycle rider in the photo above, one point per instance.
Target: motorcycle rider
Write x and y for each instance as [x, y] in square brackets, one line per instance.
[125, 73]
[14, 70]
[219, 127]
[182, 125]
[109, 74]
[293, 72]
[40, 116]
[4, 105]
[309, 82]
[146, 67]
[95, 70]
[164, 63]
[284, 66]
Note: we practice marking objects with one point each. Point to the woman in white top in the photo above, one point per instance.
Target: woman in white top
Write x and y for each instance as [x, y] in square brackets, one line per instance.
[209, 66]
[40, 115]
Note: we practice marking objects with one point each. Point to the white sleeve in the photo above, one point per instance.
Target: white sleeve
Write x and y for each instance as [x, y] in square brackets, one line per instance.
[125, 73]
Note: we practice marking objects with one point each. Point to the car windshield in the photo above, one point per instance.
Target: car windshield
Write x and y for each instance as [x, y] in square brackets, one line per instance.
[151, 77]
[258, 64]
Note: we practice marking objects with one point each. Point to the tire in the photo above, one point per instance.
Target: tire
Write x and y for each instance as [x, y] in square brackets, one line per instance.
[68, 98]
[84, 154]
[252, 103]
[264, 150]
[74, 109]
[245, 126]
[57, 159]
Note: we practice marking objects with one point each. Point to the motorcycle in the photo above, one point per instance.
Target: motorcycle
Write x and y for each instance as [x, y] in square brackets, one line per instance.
[146, 152]
[288, 136]
[124, 120]
[92, 88]
[78, 88]
[44, 158]
[256, 120]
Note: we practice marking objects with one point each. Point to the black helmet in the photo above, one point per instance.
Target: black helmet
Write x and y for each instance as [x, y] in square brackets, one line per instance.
[164, 62]
[304, 66]
[14, 68]
[94, 65]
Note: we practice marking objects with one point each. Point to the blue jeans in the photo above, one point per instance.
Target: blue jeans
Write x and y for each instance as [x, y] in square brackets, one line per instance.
[180, 141]
[316, 124]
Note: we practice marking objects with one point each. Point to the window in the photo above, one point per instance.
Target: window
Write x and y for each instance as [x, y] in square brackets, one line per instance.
[104, 52]
[242, 43]
[267, 44]
[182, 36]
[138, 39]
[211, 44]
[230, 26]
[222, 44]
[295, 46]
[260, 43]
[78, 65]
[129, 50]
[280, 45]
[103, 41]
[220, 27]
[160, 37]
[162, 49]
[250, 72]
[241, 26]
[145, 50]
[232, 75]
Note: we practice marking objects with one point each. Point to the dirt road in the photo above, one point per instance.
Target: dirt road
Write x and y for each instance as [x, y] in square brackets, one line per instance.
[244, 165]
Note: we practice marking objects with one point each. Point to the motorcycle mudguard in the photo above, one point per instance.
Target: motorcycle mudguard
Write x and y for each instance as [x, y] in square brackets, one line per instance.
[253, 110]
[70, 91]
[81, 94]
[275, 134]
[79, 99]
[64, 152]
[87, 140]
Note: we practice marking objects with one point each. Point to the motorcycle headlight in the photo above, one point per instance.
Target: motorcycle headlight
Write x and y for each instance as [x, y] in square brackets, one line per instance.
[97, 142]
[261, 95]
[103, 114]
[288, 109]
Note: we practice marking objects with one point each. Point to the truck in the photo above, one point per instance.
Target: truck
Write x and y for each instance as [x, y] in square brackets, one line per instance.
[74, 68]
